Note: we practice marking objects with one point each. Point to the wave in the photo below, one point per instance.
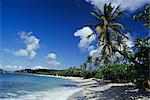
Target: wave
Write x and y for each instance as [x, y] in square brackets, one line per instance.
[61, 93]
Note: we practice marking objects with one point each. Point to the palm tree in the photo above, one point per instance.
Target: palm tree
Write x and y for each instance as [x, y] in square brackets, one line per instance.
[141, 48]
[120, 42]
[89, 60]
[97, 62]
[107, 26]
[82, 67]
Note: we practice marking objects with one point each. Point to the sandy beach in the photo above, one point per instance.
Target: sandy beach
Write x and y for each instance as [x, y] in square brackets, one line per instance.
[98, 89]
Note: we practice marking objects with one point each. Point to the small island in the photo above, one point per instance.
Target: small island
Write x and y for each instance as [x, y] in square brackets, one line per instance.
[2, 71]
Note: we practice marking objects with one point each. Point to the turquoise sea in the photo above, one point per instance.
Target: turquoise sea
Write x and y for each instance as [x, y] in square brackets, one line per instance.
[33, 87]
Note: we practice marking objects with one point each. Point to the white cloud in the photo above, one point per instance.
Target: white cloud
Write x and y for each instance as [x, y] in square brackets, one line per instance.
[93, 52]
[83, 34]
[21, 52]
[129, 41]
[128, 5]
[17, 67]
[52, 60]
[11, 67]
[91, 47]
[32, 54]
[32, 44]
[54, 63]
[51, 56]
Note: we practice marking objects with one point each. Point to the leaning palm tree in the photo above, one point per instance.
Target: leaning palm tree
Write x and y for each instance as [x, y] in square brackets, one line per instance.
[108, 26]
[120, 42]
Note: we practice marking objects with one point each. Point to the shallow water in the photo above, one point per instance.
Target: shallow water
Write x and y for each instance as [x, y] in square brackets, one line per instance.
[31, 87]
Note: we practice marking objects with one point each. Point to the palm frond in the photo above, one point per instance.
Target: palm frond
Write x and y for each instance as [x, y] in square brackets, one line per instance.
[88, 37]
[118, 26]
[94, 13]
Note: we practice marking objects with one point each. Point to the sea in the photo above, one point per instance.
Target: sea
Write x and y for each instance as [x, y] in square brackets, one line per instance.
[35, 87]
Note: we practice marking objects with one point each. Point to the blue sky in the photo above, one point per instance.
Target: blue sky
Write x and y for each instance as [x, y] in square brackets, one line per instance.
[51, 25]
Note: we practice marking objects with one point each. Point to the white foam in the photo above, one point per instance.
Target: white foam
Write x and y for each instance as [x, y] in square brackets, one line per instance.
[54, 94]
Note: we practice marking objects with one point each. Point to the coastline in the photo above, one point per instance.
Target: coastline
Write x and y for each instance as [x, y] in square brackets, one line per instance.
[99, 89]
[77, 80]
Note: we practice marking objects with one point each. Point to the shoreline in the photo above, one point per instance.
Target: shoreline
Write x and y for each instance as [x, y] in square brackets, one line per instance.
[74, 79]
[63, 92]
[99, 89]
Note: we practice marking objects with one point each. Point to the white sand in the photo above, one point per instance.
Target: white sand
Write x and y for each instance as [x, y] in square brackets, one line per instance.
[98, 89]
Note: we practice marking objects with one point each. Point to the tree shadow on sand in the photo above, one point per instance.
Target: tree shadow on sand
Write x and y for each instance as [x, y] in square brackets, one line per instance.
[119, 93]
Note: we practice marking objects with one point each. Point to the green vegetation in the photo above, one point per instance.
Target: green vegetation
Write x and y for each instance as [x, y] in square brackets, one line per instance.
[117, 72]
[76, 72]
[144, 16]
[112, 41]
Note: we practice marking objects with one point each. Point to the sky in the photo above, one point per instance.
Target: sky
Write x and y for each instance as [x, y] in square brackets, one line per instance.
[50, 33]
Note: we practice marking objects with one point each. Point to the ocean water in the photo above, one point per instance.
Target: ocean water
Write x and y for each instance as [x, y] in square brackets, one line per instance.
[32, 87]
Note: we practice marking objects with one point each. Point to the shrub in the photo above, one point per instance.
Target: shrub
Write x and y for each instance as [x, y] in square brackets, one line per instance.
[98, 75]
[117, 72]
[88, 74]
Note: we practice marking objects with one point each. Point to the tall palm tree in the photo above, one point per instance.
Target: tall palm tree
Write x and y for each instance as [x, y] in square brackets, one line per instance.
[108, 26]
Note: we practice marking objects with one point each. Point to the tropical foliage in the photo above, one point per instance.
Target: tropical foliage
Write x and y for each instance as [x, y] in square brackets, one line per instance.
[107, 28]
[117, 72]
[112, 42]
[144, 16]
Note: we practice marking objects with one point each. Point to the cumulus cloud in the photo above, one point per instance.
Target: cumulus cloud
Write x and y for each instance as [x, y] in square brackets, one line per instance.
[93, 52]
[128, 5]
[54, 63]
[91, 47]
[85, 43]
[21, 52]
[52, 60]
[32, 54]
[51, 56]
[32, 44]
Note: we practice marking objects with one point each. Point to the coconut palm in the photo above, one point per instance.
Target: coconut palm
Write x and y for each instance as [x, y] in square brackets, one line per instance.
[141, 48]
[89, 60]
[120, 42]
[107, 26]
[97, 62]
[83, 67]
